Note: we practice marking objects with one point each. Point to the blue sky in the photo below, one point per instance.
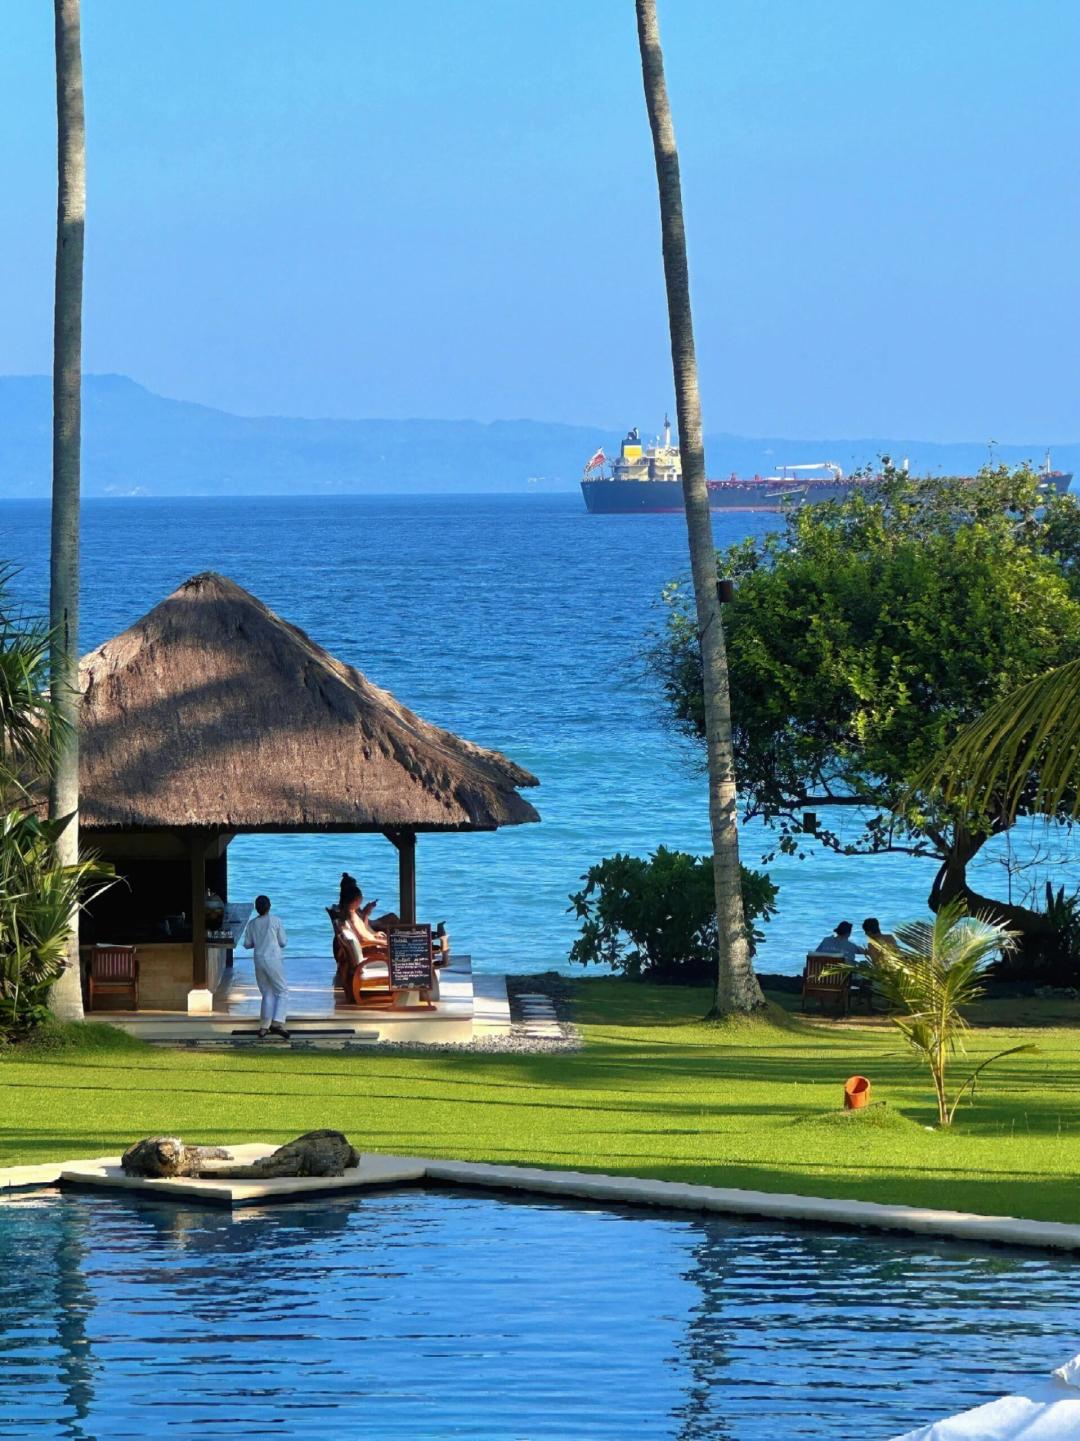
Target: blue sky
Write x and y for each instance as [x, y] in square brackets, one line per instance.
[352, 208]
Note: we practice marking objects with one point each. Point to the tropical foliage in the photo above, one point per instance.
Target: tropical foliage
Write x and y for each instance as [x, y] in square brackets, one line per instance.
[937, 970]
[27, 723]
[37, 897]
[38, 894]
[863, 636]
[655, 919]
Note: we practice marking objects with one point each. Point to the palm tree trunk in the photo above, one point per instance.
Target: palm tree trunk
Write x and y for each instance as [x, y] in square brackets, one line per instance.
[66, 996]
[737, 988]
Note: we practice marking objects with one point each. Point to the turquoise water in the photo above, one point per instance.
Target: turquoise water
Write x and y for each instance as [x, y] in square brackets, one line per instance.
[419, 1314]
[516, 621]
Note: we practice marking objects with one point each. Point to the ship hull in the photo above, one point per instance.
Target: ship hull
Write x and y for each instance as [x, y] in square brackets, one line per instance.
[657, 497]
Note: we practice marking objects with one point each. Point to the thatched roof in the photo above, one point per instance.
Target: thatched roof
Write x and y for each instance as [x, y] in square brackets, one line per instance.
[213, 711]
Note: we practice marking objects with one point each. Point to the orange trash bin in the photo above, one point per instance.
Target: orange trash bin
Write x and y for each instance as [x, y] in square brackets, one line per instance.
[856, 1093]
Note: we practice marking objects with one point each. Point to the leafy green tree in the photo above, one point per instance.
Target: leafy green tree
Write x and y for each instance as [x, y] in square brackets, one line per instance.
[863, 635]
[935, 972]
[655, 919]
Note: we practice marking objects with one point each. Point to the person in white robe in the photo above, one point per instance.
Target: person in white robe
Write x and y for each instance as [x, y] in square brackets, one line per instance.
[265, 935]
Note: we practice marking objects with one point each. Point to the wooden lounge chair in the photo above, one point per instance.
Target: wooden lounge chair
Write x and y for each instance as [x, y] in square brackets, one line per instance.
[364, 975]
[827, 990]
[114, 971]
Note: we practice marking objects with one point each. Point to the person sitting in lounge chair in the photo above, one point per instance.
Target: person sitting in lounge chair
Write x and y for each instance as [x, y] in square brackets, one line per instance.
[354, 914]
[839, 943]
[350, 888]
[358, 933]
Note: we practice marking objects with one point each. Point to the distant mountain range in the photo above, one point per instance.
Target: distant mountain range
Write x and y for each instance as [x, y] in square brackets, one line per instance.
[138, 443]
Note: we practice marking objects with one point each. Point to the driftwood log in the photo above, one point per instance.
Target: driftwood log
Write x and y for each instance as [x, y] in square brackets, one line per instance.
[315, 1153]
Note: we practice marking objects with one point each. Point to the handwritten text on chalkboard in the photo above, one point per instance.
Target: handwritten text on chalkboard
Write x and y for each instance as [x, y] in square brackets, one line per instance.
[410, 958]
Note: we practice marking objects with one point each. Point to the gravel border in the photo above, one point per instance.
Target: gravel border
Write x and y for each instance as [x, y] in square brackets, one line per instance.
[558, 988]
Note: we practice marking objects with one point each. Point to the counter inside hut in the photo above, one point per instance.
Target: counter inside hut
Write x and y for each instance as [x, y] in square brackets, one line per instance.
[169, 903]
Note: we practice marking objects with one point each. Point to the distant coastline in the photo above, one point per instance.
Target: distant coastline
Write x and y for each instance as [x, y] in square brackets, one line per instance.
[136, 443]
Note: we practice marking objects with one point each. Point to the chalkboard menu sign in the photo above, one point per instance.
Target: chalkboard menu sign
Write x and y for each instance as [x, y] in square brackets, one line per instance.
[410, 958]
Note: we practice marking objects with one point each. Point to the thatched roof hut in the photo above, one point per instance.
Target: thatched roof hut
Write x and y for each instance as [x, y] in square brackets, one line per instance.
[214, 712]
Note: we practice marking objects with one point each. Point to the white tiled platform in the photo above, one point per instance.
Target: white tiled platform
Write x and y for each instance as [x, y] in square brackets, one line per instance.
[467, 1005]
[373, 1170]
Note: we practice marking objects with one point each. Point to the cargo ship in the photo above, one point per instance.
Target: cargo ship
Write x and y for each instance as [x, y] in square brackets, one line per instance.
[647, 479]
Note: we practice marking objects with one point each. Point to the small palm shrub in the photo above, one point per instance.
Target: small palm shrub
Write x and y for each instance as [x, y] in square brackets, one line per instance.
[655, 919]
[37, 898]
[938, 969]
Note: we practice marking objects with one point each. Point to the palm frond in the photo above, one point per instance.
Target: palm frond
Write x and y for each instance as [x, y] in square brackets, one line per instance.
[29, 727]
[969, 1084]
[1024, 750]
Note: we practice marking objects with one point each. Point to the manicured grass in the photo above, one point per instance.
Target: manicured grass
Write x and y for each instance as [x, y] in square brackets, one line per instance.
[656, 1092]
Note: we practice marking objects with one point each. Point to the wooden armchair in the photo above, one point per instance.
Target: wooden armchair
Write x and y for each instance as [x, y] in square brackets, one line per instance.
[364, 976]
[827, 990]
[114, 971]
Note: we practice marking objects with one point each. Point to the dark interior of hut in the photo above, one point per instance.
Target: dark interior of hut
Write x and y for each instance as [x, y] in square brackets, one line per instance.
[150, 901]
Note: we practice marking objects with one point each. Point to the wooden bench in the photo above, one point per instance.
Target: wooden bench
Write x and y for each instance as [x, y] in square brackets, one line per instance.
[827, 990]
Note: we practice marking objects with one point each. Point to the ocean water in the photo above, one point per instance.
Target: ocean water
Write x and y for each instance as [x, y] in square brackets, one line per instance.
[516, 621]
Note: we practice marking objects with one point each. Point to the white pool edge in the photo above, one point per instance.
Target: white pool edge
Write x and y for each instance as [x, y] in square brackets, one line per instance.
[623, 1191]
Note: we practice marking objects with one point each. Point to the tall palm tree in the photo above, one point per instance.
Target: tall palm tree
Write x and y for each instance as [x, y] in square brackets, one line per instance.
[737, 988]
[1024, 750]
[66, 998]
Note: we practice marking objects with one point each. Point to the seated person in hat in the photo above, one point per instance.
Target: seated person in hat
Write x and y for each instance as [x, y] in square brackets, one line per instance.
[839, 943]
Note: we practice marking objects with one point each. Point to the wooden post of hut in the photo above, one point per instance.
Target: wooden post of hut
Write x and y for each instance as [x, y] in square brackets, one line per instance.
[404, 842]
[200, 998]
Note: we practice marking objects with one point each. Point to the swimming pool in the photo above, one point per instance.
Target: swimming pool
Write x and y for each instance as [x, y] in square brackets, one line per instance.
[426, 1314]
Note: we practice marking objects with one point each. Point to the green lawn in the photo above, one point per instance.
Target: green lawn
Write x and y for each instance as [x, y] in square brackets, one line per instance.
[655, 1093]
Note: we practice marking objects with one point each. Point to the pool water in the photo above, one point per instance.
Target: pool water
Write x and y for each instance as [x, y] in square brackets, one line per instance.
[426, 1314]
